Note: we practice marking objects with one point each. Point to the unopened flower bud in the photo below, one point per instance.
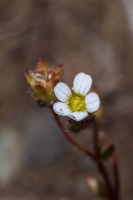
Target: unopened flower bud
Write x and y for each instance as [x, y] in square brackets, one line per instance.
[75, 126]
[42, 80]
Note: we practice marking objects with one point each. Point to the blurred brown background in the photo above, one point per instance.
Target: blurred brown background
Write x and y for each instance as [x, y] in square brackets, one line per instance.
[94, 36]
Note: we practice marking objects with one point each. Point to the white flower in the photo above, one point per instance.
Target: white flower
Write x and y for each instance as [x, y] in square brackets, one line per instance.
[76, 103]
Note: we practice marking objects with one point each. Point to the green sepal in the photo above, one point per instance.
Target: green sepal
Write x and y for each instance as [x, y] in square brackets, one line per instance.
[75, 126]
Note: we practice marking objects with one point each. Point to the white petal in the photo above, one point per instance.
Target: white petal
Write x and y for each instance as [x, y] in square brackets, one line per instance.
[82, 83]
[62, 91]
[92, 102]
[61, 109]
[78, 116]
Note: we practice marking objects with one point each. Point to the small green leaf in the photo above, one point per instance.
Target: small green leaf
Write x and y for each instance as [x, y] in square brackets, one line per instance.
[107, 152]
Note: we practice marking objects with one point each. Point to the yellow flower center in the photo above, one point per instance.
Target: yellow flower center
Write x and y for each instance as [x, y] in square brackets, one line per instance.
[76, 103]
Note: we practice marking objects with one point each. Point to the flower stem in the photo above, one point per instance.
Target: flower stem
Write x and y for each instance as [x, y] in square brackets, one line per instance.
[114, 162]
[116, 175]
[112, 192]
[98, 161]
[71, 139]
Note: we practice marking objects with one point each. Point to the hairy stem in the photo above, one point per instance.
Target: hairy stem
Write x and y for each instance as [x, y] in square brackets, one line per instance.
[112, 192]
[116, 176]
[114, 162]
[71, 140]
[98, 161]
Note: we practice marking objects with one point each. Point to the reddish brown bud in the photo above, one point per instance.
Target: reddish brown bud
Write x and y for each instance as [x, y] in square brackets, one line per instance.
[42, 80]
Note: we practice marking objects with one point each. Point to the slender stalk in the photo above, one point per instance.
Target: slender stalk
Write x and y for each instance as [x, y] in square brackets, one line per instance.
[116, 176]
[114, 163]
[95, 136]
[113, 193]
[71, 140]
[99, 163]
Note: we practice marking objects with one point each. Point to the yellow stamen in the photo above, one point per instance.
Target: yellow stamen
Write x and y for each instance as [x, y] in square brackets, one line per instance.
[76, 103]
